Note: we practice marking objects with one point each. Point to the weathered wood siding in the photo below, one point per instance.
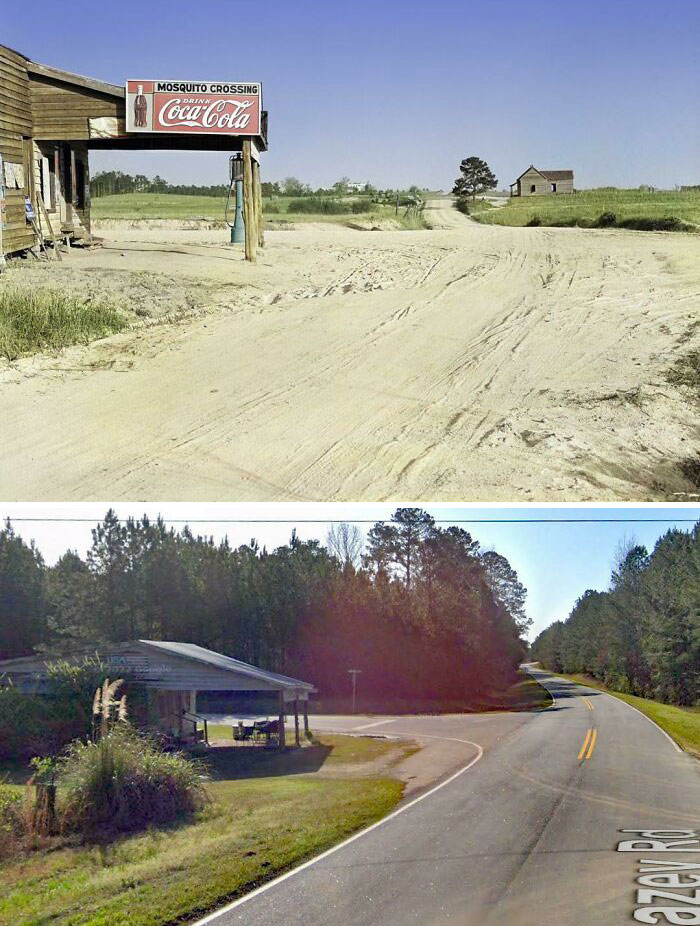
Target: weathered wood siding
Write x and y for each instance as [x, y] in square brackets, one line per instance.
[16, 145]
[532, 178]
[565, 186]
[61, 111]
[543, 186]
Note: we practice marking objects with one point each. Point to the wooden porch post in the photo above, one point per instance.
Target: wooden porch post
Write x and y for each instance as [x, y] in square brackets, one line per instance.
[281, 721]
[306, 717]
[296, 722]
[257, 190]
[251, 231]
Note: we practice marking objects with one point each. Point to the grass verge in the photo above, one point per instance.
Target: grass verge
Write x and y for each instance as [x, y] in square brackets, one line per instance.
[254, 828]
[604, 208]
[134, 206]
[681, 723]
[43, 319]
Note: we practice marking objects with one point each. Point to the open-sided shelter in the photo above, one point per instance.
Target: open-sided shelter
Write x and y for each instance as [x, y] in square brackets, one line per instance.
[50, 119]
[172, 674]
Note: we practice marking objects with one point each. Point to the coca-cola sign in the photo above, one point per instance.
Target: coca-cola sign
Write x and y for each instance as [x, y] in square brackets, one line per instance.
[193, 107]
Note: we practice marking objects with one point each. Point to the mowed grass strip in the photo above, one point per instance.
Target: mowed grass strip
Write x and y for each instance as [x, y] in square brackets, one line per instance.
[664, 210]
[44, 319]
[681, 723]
[254, 829]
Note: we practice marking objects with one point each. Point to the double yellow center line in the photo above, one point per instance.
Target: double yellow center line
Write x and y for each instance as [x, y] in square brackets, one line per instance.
[586, 750]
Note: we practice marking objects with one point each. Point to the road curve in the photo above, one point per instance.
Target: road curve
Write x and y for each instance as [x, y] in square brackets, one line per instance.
[533, 833]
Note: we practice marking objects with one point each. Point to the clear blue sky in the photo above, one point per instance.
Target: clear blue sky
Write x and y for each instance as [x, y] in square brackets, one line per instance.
[398, 92]
[557, 562]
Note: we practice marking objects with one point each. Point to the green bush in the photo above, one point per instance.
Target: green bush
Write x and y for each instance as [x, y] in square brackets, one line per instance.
[12, 823]
[42, 725]
[534, 222]
[669, 223]
[312, 205]
[605, 220]
[361, 205]
[23, 725]
[124, 782]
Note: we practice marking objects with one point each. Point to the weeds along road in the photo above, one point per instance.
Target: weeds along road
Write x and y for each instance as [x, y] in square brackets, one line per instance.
[466, 361]
[542, 828]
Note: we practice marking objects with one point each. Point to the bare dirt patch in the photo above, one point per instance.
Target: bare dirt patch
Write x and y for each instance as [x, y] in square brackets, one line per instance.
[466, 361]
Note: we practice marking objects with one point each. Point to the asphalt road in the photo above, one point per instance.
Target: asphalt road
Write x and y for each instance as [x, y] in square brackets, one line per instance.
[530, 830]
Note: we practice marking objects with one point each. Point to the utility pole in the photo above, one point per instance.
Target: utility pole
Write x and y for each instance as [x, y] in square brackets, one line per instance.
[354, 673]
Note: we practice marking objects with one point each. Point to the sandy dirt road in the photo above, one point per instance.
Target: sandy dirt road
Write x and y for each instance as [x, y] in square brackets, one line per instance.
[462, 363]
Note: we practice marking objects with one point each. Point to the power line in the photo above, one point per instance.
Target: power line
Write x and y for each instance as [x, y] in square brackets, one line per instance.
[371, 520]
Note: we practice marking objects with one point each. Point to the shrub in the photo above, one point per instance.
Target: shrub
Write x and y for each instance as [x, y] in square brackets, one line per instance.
[272, 208]
[605, 220]
[124, 782]
[668, 223]
[462, 203]
[43, 319]
[42, 725]
[12, 822]
[361, 205]
[23, 732]
[312, 205]
[534, 222]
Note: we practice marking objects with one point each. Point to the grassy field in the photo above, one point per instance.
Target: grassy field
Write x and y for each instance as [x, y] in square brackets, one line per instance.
[630, 208]
[45, 319]
[126, 206]
[681, 723]
[257, 825]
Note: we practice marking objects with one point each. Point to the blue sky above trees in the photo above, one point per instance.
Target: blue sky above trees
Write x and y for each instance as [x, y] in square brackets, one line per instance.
[399, 92]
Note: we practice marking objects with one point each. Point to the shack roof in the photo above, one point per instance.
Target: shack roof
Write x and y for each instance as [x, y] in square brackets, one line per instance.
[77, 80]
[548, 174]
[164, 664]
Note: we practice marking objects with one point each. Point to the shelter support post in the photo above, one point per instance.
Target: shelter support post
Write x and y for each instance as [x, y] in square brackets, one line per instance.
[257, 190]
[306, 718]
[296, 722]
[281, 721]
[251, 231]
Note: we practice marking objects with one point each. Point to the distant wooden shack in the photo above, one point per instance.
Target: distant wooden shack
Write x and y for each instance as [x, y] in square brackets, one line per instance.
[535, 182]
[49, 120]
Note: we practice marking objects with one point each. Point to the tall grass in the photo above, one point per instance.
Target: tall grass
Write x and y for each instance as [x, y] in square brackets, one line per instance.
[603, 208]
[125, 782]
[45, 319]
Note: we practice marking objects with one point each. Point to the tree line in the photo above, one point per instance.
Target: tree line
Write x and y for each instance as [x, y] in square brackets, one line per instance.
[111, 182]
[643, 635]
[423, 611]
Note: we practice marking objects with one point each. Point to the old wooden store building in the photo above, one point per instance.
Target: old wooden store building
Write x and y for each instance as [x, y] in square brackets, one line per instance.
[49, 120]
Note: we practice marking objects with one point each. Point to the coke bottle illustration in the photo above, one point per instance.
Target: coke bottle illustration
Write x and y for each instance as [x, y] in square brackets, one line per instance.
[140, 109]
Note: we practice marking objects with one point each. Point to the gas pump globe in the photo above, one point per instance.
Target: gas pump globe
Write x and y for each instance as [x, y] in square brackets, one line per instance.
[235, 170]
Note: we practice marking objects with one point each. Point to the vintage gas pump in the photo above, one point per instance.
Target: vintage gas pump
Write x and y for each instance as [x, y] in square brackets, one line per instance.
[235, 170]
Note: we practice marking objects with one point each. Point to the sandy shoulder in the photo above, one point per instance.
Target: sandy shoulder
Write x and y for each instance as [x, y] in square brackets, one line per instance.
[466, 362]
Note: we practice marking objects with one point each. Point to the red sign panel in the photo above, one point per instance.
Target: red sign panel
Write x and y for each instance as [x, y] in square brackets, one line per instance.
[192, 107]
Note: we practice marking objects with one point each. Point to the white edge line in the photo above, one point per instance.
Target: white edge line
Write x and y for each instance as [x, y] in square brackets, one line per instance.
[631, 707]
[653, 722]
[346, 842]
